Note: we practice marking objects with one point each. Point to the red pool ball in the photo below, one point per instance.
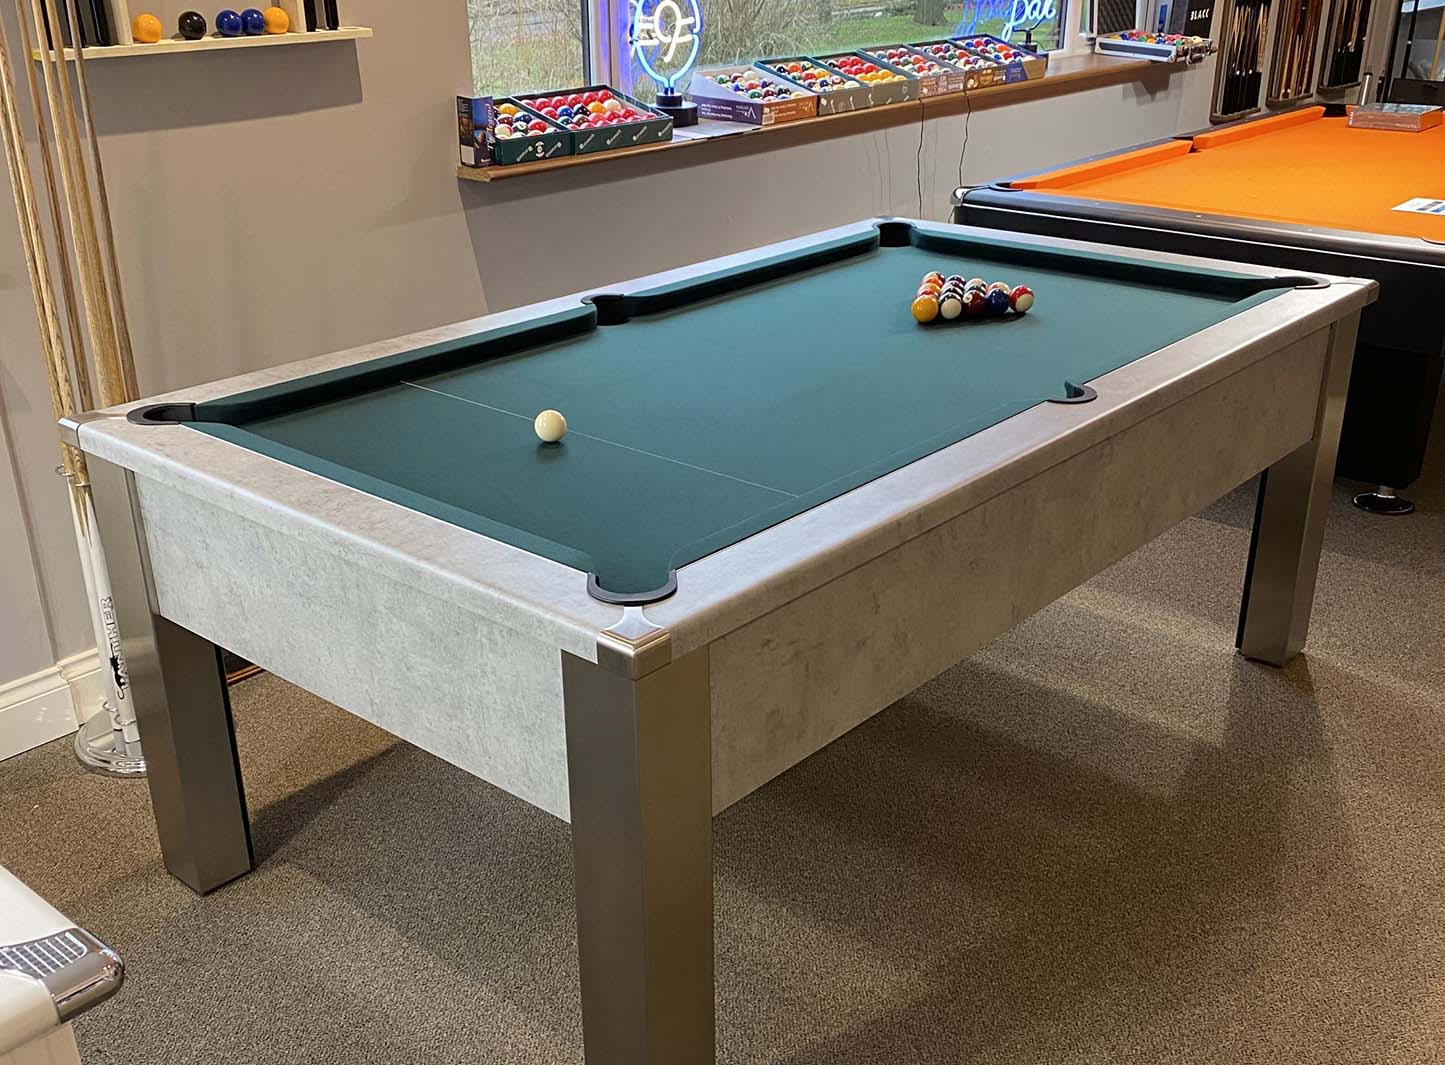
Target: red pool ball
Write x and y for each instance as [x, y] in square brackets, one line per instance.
[603, 94]
[1021, 298]
[537, 126]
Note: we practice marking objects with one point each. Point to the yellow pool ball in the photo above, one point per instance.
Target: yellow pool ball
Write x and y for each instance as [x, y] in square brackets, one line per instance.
[550, 426]
[277, 21]
[925, 309]
[506, 109]
[146, 29]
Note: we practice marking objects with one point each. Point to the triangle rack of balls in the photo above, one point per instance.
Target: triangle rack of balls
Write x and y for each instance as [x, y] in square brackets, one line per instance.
[947, 298]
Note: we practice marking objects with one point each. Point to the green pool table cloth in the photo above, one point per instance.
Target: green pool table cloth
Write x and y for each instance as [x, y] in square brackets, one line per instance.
[712, 409]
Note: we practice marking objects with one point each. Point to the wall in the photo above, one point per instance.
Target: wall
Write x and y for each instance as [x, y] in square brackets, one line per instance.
[277, 203]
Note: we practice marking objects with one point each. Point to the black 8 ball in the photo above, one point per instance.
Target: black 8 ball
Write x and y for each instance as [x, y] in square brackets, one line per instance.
[191, 25]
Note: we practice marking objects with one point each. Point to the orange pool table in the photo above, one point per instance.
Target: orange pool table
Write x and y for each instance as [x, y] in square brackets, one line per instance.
[1301, 191]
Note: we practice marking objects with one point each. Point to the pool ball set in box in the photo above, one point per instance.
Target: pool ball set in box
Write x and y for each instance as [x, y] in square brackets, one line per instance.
[934, 77]
[518, 134]
[599, 118]
[747, 94]
[948, 299]
[1158, 47]
[977, 72]
[889, 85]
[1019, 63]
[836, 91]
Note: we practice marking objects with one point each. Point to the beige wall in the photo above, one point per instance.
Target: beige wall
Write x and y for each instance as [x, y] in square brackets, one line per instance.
[273, 204]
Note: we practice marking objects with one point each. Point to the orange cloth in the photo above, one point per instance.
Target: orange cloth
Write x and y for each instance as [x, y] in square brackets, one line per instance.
[1300, 167]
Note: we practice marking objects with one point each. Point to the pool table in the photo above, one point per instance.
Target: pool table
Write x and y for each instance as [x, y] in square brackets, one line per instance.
[1298, 191]
[782, 504]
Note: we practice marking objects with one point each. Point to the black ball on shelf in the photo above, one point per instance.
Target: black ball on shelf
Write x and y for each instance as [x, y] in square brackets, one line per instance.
[191, 25]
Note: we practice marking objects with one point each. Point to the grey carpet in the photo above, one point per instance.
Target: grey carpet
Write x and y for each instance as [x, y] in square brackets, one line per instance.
[1105, 838]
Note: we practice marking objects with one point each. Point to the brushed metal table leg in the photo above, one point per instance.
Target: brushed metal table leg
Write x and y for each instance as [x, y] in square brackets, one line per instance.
[639, 757]
[182, 708]
[1289, 523]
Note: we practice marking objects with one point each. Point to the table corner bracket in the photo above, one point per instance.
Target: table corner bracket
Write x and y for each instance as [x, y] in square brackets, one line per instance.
[634, 646]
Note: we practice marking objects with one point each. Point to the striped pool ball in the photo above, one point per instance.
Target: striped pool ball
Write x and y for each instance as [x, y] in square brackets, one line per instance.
[1021, 298]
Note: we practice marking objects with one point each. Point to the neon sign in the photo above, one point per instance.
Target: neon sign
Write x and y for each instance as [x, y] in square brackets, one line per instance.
[665, 37]
[1013, 13]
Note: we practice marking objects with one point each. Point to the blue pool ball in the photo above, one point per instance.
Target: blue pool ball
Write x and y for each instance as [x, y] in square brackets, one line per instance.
[228, 23]
[565, 111]
[998, 302]
[253, 22]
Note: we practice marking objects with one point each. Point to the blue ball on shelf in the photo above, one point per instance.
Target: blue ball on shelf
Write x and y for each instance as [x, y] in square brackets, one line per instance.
[253, 21]
[228, 23]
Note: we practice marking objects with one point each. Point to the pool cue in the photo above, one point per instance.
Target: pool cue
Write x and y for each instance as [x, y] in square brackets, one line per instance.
[1245, 37]
[112, 265]
[1241, 84]
[1284, 53]
[76, 184]
[62, 255]
[1231, 57]
[37, 263]
[109, 739]
[1259, 42]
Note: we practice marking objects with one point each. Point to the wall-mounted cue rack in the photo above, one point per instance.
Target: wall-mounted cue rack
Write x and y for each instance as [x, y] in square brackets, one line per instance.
[1240, 72]
[1296, 41]
[1345, 44]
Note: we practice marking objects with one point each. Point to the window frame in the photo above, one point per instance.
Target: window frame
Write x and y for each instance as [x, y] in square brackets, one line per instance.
[608, 59]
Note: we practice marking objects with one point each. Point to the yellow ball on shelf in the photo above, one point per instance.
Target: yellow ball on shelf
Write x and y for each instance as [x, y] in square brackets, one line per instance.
[146, 28]
[277, 21]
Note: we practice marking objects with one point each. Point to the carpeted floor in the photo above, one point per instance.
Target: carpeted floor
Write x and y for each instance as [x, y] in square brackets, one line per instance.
[1103, 839]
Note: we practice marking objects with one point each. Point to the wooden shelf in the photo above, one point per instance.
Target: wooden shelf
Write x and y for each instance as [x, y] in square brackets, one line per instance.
[1065, 74]
[213, 43]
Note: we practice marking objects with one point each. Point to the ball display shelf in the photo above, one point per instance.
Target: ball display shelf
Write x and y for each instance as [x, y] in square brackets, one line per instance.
[119, 13]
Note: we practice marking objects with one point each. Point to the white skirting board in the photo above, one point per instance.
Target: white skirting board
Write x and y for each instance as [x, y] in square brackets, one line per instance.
[49, 704]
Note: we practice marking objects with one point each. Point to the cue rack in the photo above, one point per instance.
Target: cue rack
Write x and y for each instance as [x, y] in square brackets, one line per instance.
[1345, 44]
[1240, 72]
[1296, 40]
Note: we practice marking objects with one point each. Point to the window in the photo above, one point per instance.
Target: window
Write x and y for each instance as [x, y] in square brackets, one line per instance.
[527, 45]
[522, 45]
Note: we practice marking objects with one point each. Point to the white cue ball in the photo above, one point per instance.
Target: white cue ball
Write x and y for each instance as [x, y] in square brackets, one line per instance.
[550, 426]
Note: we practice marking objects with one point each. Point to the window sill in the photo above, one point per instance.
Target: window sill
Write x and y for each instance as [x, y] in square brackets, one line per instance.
[1069, 73]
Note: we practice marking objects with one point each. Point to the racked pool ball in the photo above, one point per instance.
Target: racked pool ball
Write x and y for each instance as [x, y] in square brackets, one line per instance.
[998, 302]
[1021, 298]
[925, 308]
[975, 304]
